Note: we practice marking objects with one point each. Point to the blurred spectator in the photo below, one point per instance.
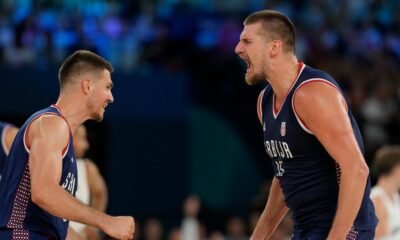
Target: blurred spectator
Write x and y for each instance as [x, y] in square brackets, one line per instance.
[175, 234]
[385, 194]
[190, 223]
[236, 229]
[153, 230]
[378, 110]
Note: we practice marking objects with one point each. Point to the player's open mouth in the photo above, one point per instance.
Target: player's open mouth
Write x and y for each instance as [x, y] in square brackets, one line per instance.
[248, 65]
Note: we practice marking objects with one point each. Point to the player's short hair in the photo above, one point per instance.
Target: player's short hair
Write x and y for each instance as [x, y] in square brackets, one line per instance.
[277, 25]
[386, 158]
[80, 62]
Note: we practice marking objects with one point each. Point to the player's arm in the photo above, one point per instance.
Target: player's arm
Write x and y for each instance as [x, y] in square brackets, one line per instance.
[47, 137]
[11, 132]
[382, 228]
[97, 187]
[323, 110]
[273, 213]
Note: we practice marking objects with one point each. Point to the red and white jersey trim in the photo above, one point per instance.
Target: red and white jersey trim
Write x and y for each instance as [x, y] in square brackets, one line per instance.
[301, 68]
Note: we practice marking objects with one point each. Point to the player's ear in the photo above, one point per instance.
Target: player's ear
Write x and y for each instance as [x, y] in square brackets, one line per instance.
[275, 47]
[85, 86]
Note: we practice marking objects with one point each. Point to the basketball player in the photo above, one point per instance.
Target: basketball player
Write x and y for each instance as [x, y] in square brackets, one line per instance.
[39, 178]
[92, 189]
[385, 194]
[310, 136]
[7, 133]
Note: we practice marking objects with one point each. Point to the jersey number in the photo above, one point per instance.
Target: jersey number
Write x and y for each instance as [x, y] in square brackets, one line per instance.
[279, 168]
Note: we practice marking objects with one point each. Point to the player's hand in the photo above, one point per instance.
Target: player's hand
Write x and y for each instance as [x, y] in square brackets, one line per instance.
[120, 227]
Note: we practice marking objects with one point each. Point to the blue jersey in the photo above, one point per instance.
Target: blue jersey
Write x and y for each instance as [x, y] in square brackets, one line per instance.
[308, 175]
[17, 211]
[3, 147]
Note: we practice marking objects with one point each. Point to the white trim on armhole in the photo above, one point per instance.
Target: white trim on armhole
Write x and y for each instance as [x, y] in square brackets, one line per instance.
[294, 94]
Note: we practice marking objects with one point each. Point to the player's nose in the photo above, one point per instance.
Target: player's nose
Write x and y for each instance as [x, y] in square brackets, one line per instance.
[111, 98]
[239, 48]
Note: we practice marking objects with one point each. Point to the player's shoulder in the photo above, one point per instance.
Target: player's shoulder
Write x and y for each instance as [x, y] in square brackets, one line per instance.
[310, 72]
[50, 123]
[315, 82]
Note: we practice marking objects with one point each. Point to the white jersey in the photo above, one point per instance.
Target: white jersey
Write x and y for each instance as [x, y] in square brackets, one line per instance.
[392, 206]
[83, 192]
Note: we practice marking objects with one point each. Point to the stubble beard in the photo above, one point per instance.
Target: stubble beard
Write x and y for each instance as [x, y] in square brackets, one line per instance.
[96, 115]
[254, 79]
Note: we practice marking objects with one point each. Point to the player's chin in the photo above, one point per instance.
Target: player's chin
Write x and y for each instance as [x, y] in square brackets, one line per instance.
[99, 116]
[253, 79]
[250, 80]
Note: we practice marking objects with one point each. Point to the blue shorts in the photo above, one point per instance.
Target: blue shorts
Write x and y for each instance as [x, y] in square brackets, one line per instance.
[320, 234]
[6, 234]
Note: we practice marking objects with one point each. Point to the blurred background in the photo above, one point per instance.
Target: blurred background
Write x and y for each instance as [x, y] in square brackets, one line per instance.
[184, 123]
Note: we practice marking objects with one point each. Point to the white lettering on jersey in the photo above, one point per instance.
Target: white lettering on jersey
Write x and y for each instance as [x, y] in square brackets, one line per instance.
[287, 150]
[277, 149]
[69, 182]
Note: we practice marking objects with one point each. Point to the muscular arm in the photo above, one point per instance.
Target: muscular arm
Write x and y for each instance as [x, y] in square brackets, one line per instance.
[47, 137]
[273, 213]
[323, 110]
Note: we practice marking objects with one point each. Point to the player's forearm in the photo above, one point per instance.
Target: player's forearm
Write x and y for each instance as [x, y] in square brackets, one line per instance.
[268, 223]
[60, 203]
[272, 215]
[352, 186]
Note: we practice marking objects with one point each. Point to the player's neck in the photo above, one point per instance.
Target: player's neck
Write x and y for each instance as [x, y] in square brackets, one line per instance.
[72, 110]
[283, 75]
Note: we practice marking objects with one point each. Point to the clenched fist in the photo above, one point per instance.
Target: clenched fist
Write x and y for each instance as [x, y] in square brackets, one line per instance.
[120, 227]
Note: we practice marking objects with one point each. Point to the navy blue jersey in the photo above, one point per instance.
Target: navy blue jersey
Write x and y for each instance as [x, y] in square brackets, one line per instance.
[17, 211]
[3, 147]
[308, 175]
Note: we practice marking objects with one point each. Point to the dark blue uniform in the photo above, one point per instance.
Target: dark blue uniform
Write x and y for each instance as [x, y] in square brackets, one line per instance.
[308, 175]
[20, 218]
[3, 148]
